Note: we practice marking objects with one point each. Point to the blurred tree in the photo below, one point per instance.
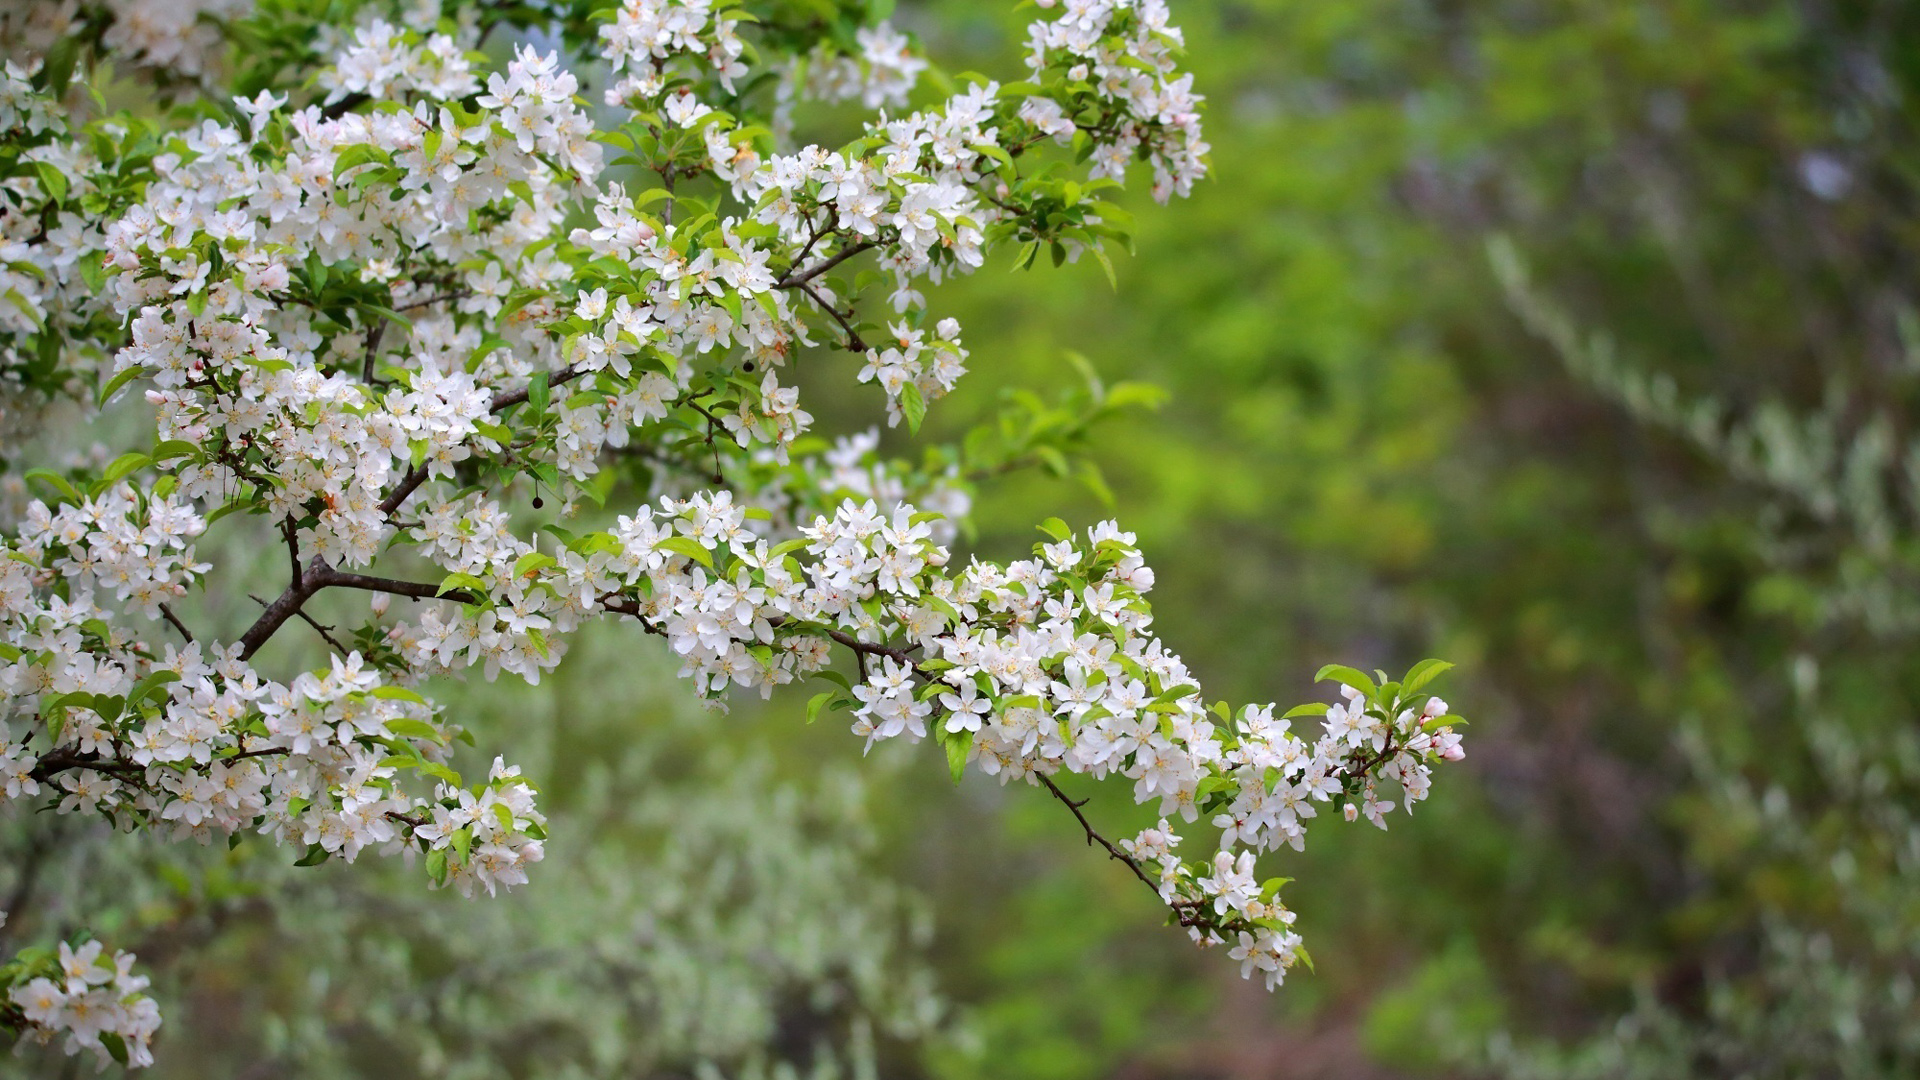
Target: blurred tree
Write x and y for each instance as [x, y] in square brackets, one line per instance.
[1650, 466]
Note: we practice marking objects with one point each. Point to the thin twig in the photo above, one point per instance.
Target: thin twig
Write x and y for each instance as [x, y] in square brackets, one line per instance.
[418, 590]
[323, 631]
[854, 342]
[1094, 837]
[457, 294]
[794, 281]
[373, 348]
[167, 614]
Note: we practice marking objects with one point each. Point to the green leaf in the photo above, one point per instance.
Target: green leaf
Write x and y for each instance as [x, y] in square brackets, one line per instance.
[1423, 673]
[1113, 280]
[314, 857]
[122, 467]
[54, 480]
[116, 383]
[149, 685]
[1271, 888]
[688, 546]
[460, 581]
[397, 693]
[1127, 394]
[1175, 693]
[818, 702]
[116, 1046]
[357, 155]
[834, 677]
[414, 729]
[174, 448]
[532, 561]
[958, 745]
[1348, 676]
[538, 393]
[54, 713]
[1055, 528]
[913, 406]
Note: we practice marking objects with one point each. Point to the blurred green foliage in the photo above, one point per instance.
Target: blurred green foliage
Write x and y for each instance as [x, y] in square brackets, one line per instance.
[1373, 449]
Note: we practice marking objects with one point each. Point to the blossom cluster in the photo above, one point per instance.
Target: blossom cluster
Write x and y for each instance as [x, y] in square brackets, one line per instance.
[89, 999]
[645, 36]
[1123, 51]
[195, 740]
[178, 37]
[380, 310]
[883, 75]
[1023, 670]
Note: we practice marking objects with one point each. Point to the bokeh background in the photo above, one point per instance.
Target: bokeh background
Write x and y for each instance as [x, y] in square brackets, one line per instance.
[1569, 340]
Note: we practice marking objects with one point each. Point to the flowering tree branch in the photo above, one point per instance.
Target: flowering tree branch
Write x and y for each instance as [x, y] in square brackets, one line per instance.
[364, 292]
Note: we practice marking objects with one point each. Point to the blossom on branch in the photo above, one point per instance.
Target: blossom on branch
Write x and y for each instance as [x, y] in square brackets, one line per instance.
[384, 308]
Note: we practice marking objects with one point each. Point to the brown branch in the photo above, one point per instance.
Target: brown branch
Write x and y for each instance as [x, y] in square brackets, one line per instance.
[1094, 837]
[514, 397]
[854, 343]
[282, 609]
[299, 588]
[65, 758]
[306, 583]
[167, 614]
[870, 649]
[819, 230]
[61, 759]
[292, 534]
[457, 294]
[323, 631]
[794, 281]
[407, 486]
[418, 590]
[713, 422]
[1187, 912]
[373, 348]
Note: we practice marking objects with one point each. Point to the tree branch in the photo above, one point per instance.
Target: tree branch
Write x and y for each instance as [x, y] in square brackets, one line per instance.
[167, 614]
[854, 342]
[796, 280]
[373, 348]
[1094, 837]
[323, 631]
[282, 609]
[418, 590]
[457, 294]
[61, 759]
[871, 649]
